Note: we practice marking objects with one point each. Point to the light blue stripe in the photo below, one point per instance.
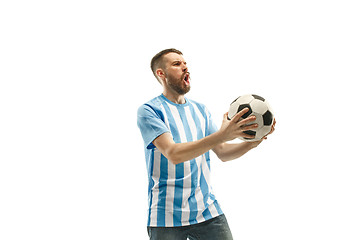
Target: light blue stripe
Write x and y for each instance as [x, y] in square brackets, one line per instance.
[151, 183]
[207, 157]
[204, 189]
[218, 209]
[206, 214]
[162, 191]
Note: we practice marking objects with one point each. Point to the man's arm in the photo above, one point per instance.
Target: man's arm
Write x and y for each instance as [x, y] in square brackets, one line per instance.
[181, 152]
[227, 151]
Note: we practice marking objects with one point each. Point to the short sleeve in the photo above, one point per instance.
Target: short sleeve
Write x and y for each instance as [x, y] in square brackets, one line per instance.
[151, 124]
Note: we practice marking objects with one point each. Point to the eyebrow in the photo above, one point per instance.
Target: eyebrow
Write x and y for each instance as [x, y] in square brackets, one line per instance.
[177, 61]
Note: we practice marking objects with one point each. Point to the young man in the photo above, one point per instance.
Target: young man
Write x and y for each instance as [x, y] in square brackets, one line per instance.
[178, 134]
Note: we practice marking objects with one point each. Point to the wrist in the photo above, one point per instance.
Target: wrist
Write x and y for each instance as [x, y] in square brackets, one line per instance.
[219, 136]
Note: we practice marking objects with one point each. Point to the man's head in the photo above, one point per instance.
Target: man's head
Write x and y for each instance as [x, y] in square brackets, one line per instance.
[169, 68]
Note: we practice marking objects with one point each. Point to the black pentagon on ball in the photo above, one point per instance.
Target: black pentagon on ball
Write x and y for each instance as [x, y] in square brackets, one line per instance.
[242, 106]
[258, 97]
[267, 117]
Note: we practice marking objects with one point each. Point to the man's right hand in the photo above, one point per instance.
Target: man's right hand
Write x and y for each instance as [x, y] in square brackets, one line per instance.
[234, 128]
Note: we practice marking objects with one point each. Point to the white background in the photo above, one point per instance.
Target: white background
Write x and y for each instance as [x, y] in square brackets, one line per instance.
[73, 74]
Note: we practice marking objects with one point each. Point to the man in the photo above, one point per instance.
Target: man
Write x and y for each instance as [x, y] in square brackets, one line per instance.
[178, 134]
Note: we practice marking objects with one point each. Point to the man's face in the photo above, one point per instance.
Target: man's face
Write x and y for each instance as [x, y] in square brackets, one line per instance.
[176, 73]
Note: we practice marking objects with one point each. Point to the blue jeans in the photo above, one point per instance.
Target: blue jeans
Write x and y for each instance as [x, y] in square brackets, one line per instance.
[214, 229]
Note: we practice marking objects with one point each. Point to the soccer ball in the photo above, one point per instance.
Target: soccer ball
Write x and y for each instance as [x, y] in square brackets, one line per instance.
[259, 108]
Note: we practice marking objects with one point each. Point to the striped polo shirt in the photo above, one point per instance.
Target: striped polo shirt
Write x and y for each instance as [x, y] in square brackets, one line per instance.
[181, 194]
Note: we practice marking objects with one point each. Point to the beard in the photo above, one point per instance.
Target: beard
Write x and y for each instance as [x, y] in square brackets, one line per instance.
[177, 86]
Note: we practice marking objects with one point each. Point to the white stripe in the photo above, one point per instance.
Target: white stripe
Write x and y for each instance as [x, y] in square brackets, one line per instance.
[169, 220]
[213, 210]
[210, 202]
[201, 206]
[192, 124]
[165, 116]
[187, 170]
[206, 172]
[200, 117]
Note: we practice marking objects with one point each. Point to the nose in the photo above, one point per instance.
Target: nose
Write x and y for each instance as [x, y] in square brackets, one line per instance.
[185, 69]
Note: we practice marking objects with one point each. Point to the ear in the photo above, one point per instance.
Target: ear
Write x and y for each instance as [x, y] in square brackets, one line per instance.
[160, 73]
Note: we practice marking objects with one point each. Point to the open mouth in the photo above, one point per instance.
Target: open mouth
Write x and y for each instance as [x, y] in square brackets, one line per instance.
[187, 78]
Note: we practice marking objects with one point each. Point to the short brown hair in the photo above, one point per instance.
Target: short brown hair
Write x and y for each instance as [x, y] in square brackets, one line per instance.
[157, 60]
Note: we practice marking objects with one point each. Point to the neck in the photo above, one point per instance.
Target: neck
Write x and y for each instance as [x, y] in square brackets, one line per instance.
[174, 97]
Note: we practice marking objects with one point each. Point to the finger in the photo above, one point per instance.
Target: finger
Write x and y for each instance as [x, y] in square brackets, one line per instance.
[247, 120]
[271, 131]
[273, 127]
[247, 136]
[237, 117]
[249, 127]
[226, 116]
